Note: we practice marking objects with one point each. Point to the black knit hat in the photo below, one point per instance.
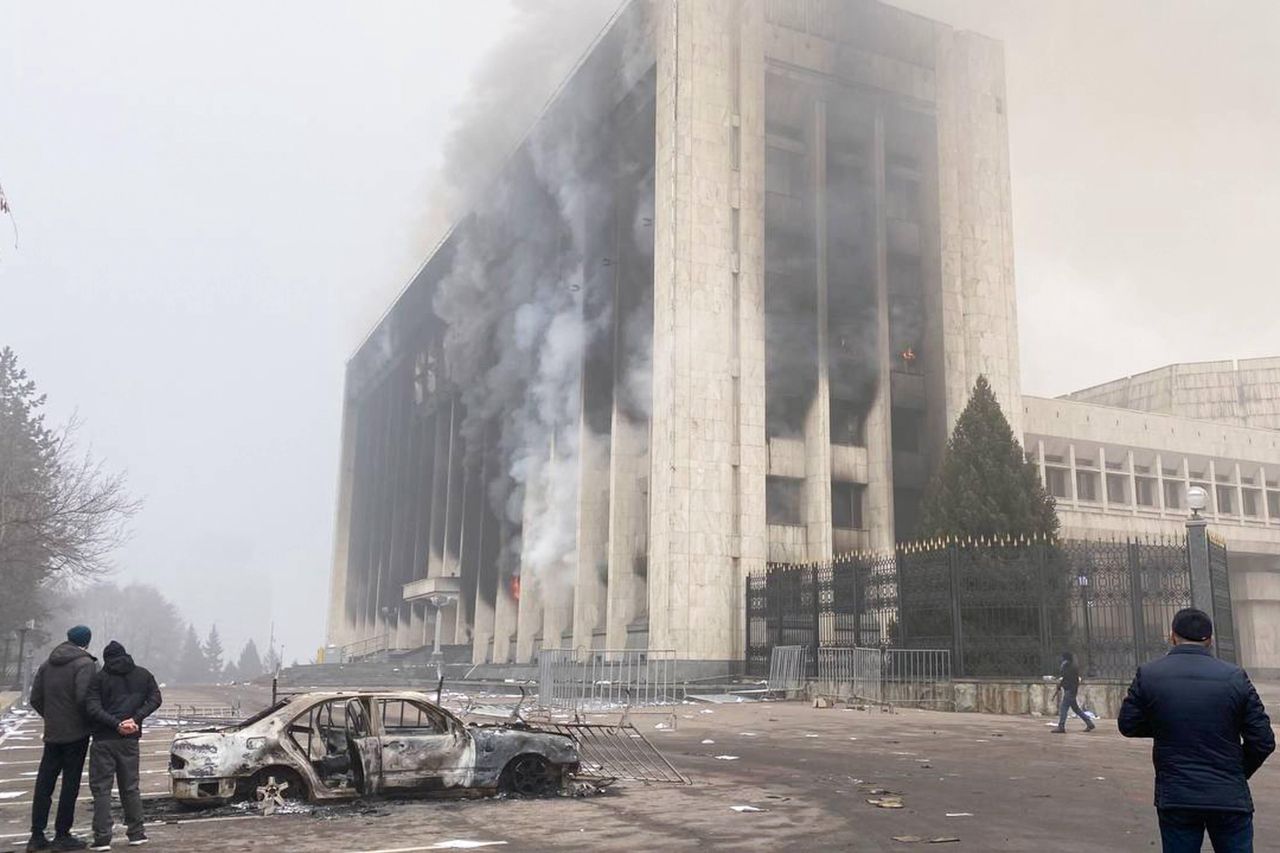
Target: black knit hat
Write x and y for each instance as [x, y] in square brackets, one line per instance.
[1192, 624]
[113, 650]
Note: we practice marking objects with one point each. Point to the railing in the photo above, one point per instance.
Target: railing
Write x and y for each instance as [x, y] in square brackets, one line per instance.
[366, 648]
[601, 679]
[787, 667]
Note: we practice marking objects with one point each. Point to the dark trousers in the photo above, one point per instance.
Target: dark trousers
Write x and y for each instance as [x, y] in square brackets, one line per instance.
[115, 760]
[1069, 703]
[1182, 830]
[65, 760]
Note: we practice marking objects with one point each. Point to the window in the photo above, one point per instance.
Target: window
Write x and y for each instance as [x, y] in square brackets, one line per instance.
[1117, 488]
[907, 428]
[1055, 482]
[1273, 505]
[1087, 485]
[783, 499]
[1251, 503]
[846, 505]
[1226, 500]
[848, 424]
[1173, 494]
[1146, 495]
[409, 718]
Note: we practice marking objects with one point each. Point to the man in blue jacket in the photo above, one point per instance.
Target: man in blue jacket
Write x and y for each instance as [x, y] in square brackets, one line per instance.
[1211, 734]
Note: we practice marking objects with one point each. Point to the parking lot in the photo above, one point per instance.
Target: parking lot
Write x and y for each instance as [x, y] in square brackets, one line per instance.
[766, 776]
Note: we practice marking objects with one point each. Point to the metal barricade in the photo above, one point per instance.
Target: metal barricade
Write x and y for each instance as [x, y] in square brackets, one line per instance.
[601, 679]
[850, 673]
[888, 676]
[787, 666]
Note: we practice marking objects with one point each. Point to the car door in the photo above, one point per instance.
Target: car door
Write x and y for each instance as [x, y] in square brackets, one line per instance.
[365, 746]
[422, 748]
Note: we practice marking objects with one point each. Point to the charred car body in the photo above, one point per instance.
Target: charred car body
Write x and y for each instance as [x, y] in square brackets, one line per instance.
[331, 746]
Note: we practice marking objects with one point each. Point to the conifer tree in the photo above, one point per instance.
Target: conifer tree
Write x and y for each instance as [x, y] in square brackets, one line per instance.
[192, 666]
[213, 653]
[250, 665]
[985, 486]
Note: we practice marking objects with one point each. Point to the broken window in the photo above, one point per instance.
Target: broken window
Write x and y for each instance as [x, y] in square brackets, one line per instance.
[907, 427]
[783, 499]
[846, 505]
[784, 416]
[401, 717]
[848, 424]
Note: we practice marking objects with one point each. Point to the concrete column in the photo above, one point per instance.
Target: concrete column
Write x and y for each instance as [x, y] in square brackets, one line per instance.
[1186, 478]
[1044, 477]
[1160, 502]
[439, 492]
[529, 610]
[879, 427]
[557, 580]
[1213, 491]
[1075, 488]
[448, 615]
[628, 521]
[1266, 505]
[693, 591]
[1133, 484]
[1102, 476]
[1198, 554]
[817, 425]
[340, 627]
[1239, 493]
[980, 325]
[591, 594]
[505, 605]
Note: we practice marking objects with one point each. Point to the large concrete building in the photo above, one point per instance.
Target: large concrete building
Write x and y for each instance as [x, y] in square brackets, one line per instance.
[720, 309]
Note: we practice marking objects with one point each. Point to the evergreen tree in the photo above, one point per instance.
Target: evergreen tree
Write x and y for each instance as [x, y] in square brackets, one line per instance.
[231, 674]
[250, 665]
[213, 652]
[193, 668]
[985, 486]
[271, 663]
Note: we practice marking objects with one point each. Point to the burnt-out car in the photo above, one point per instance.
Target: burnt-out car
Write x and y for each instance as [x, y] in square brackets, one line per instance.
[331, 746]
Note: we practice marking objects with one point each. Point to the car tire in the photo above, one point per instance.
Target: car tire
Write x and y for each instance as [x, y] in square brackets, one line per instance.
[530, 776]
[296, 792]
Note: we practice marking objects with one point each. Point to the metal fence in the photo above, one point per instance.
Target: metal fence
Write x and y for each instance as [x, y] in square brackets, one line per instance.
[916, 677]
[600, 679]
[787, 666]
[850, 673]
[999, 608]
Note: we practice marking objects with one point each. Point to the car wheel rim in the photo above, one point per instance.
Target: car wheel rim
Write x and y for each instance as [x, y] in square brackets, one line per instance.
[529, 776]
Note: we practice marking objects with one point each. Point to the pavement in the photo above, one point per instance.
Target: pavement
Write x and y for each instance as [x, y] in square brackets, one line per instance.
[805, 774]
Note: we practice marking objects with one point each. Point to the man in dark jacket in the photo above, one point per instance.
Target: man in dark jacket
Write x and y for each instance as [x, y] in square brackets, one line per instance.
[58, 694]
[1069, 686]
[120, 698]
[1211, 733]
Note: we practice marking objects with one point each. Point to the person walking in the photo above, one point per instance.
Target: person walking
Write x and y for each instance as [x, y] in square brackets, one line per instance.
[120, 698]
[1068, 687]
[1211, 734]
[58, 694]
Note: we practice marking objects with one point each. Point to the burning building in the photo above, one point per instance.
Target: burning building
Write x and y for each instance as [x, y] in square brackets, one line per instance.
[719, 309]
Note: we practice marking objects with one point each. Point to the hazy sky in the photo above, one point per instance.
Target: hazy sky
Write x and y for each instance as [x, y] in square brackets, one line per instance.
[215, 205]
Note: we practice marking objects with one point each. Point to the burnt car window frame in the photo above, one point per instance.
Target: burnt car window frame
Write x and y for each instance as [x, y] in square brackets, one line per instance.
[424, 710]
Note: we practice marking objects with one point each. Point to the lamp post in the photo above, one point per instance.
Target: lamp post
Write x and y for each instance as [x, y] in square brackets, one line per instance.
[1198, 550]
[438, 600]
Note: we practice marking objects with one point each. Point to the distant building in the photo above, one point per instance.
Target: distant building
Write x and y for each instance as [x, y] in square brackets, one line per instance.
[720, 310]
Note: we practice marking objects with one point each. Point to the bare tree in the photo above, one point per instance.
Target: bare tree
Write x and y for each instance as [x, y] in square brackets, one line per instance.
[61, 512]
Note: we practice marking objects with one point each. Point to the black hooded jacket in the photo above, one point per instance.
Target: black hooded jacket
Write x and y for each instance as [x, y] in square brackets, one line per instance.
[1210, 729]
[122, 691]
[59, 690]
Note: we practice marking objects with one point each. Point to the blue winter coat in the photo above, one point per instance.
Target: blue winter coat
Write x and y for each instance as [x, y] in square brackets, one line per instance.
[1211, 731]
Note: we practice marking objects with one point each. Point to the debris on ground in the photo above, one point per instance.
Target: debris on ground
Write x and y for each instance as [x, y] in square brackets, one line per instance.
[887, 802]
[746, 809]
[727, 757]
[908, 839]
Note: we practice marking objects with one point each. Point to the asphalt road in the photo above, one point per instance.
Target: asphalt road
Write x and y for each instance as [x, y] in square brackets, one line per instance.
[995, 783]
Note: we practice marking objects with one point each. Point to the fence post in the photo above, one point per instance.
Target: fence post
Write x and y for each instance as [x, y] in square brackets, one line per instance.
[1136, 600]
[817, 616]
[957, 628]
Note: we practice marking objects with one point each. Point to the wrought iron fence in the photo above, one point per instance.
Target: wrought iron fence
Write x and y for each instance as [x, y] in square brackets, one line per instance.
[999, 608]
[600, 679]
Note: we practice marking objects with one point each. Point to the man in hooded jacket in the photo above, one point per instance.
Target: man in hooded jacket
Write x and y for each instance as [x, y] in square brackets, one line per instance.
[58, 694]
[120, 698]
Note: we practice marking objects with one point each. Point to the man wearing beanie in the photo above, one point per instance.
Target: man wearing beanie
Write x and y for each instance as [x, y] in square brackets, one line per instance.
[58, 694]
[1211, 734]
[120, 698]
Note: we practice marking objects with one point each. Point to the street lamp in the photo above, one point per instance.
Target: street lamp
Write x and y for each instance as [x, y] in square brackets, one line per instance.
[438, 600]
[1197, 499]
